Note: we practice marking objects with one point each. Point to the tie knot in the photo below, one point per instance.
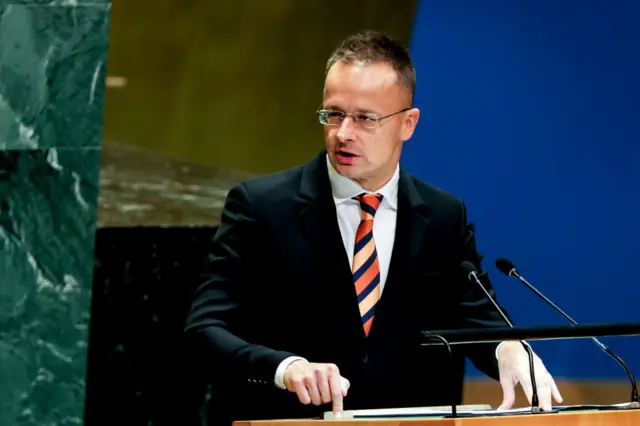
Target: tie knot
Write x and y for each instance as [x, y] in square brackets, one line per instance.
[369, 204]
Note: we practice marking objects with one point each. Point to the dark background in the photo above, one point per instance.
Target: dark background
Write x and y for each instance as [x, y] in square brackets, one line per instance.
[138, 364]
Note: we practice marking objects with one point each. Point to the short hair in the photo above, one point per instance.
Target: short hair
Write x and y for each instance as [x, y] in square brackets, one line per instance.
[369, 47]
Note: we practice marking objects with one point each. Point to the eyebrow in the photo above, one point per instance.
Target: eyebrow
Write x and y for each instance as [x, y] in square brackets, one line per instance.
[366, 111]
[358, 110]
[332, 107]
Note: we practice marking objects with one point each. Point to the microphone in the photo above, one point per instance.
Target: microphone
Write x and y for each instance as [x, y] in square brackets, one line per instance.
[508, 268]
[472, 275]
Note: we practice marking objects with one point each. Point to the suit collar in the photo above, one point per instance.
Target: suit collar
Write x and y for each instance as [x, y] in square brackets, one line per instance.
[408, 193]
[314, 184]
[413, 216]
[317, 196]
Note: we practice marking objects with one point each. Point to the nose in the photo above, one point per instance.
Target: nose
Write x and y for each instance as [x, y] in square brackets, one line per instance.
[345, 132]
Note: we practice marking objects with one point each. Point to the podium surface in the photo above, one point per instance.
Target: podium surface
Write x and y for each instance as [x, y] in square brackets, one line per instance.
[584, 418]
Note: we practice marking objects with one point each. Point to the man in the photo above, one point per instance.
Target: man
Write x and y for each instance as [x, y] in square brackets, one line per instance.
[321, 278]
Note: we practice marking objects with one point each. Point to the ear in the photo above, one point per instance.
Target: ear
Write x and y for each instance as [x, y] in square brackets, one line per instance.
[411, 118]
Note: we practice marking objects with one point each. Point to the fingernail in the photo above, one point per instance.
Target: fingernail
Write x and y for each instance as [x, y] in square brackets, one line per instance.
[337, 415]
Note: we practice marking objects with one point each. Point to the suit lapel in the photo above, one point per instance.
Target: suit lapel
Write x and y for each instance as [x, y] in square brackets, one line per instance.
[319, 228]
[412, 227]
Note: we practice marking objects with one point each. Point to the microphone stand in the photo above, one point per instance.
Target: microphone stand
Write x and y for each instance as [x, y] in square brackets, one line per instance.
[451, 387]
[634, 388]
[500, 334]
[535, 403]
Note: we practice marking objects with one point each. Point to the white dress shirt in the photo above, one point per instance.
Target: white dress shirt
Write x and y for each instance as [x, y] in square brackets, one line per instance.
[348, 212]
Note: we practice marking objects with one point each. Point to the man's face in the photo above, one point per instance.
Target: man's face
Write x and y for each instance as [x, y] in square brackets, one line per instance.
[368, 156]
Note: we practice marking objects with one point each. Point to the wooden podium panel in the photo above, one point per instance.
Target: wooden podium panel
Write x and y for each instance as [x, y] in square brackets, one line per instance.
[585, 418]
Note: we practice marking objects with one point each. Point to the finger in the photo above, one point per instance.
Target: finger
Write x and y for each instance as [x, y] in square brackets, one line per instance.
[527, 387]
[312, 388]
[301, 390]
[544, 395]
[322, 381]
[335, 383]
[345, 385]
[508, 393]
[555, 392]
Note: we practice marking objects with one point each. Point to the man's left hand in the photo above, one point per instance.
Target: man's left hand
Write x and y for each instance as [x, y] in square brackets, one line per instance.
[513, 362]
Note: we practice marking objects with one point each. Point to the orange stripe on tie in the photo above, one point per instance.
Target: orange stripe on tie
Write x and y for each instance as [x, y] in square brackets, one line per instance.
[369, 204]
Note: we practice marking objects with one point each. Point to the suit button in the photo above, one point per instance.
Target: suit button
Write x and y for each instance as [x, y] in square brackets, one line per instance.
[365, 358]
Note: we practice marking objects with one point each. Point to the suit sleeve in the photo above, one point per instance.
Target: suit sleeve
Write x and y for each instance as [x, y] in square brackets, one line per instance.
[217, 315]
[476, 310]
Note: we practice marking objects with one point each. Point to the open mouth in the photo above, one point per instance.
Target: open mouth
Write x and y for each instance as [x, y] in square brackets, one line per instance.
[346, 154]
[346, 158]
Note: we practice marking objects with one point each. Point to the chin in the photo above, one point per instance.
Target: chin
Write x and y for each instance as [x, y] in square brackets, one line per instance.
[344, 168]
[348, 171]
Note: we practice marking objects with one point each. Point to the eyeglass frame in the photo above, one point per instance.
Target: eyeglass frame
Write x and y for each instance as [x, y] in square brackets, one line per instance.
[356, 119]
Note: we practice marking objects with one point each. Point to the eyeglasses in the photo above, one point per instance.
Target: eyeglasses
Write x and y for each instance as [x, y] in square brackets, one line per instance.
[368, 121]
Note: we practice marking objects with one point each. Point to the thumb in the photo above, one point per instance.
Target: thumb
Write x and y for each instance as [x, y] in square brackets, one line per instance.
[508, 394]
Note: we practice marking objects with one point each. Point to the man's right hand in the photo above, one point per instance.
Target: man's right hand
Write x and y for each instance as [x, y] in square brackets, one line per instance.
[317, 384]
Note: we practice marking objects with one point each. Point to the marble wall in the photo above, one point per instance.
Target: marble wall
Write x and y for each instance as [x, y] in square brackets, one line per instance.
[52, 71]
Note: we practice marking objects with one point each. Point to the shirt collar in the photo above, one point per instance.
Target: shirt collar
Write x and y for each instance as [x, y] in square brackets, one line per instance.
[344, 189]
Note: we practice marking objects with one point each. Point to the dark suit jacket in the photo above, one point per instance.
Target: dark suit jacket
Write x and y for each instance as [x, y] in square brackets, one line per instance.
[278, 283]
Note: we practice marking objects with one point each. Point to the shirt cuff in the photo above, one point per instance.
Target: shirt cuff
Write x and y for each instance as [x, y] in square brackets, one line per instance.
[279, 379]
[502, 343]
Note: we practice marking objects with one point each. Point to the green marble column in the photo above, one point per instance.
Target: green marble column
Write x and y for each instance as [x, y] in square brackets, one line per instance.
[52, 73]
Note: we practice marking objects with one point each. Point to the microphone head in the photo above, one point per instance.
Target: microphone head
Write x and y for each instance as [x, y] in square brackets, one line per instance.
[505, 266]
[468, 268]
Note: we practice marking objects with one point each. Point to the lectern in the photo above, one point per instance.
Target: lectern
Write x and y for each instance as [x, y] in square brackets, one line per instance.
[623, 414]
[592, 418]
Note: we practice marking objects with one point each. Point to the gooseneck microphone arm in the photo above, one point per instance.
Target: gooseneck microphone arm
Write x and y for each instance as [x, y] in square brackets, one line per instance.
[451, 386]
[473, 276]
[508, 268]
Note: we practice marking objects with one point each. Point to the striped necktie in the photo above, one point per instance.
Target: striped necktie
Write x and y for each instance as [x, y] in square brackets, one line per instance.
[366, 269]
